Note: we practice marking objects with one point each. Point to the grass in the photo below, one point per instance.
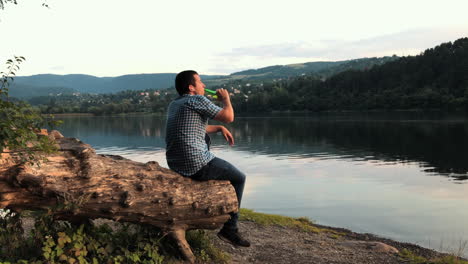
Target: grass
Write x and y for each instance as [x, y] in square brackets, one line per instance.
[204, 249]
[302, 223]
[52, 241]
[412, 258]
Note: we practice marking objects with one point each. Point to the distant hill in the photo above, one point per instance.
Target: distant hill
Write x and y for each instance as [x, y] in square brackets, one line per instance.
[288, 70]
[23, 91]
[435, 79]
[319, 69]
[363, 64]
[92, 84]
[45, 84]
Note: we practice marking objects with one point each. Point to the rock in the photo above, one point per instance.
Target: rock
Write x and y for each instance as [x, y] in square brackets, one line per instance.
[372, 245]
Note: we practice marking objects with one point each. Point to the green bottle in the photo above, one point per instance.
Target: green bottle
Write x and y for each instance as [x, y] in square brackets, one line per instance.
[212, 92]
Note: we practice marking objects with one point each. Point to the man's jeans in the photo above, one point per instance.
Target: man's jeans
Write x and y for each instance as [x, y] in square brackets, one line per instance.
[218, 169]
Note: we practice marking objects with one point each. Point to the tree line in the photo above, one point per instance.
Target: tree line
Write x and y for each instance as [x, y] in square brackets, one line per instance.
[147, 101]
[435, 79]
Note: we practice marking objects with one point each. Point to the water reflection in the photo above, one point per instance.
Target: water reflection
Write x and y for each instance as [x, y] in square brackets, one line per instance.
[440, 147]
[367, 173]
[128, 132]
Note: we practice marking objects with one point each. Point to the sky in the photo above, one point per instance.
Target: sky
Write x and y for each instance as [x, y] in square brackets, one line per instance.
[115, 37]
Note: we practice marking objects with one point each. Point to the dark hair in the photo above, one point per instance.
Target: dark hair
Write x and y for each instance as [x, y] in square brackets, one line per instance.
[183, 80]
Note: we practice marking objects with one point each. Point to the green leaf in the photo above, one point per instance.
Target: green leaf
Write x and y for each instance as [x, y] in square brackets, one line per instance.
[59, 251]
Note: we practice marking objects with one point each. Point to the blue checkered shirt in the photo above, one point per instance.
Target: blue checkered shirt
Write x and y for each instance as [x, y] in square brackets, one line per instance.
[187, 117]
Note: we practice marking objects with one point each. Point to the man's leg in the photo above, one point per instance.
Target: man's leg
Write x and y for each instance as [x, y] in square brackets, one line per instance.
[219, 169]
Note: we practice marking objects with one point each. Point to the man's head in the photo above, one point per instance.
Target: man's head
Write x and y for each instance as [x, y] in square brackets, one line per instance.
[189, 82]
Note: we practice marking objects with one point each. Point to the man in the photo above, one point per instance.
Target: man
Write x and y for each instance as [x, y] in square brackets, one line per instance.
[187, 149]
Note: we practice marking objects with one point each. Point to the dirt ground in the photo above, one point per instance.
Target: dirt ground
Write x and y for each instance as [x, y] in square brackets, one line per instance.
[276, 244]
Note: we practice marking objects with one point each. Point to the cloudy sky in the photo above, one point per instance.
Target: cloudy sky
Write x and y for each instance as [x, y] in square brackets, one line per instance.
[116, 37]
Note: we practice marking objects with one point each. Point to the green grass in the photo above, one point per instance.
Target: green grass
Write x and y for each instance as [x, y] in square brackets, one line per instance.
[52, 242]
[302, 223]
[203, 249]
[412, 258]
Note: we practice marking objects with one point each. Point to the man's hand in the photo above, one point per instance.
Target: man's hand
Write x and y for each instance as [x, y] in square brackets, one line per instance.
[227, 135]
[226, 115]
[223, 95]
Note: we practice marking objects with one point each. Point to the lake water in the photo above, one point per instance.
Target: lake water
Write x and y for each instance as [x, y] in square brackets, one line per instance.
[403, 175]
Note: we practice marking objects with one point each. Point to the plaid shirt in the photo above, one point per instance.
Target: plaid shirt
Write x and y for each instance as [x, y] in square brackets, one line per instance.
[187, 117]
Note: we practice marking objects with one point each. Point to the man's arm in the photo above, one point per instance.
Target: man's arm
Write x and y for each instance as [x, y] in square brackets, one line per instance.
[226, 115]
[213, 129]
[227, 135]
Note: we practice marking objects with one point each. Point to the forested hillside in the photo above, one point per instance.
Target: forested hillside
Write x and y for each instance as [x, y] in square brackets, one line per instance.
[52, 84]
[435, 79]
[29, 91]
[318, 69]
[97, 85]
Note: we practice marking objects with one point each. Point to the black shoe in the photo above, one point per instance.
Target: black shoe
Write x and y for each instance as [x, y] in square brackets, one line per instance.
[233, 237]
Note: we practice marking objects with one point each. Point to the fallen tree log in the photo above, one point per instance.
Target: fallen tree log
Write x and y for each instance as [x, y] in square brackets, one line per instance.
[112, 187]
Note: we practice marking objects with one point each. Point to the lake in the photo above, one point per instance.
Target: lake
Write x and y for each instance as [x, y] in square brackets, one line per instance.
[398, 175]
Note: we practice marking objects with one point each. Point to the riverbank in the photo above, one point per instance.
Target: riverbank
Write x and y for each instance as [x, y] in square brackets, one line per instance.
[281, 239]
[277, 244]
[281, 242]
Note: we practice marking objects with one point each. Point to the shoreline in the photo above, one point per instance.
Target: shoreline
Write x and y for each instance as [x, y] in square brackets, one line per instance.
[282, 239]
[279, 244]
[293, 112]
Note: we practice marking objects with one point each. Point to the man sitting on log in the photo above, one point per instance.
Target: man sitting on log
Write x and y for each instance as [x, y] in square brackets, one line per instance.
[187, 142]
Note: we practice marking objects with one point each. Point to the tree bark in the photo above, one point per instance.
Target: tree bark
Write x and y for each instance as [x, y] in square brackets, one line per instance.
[112, 187]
